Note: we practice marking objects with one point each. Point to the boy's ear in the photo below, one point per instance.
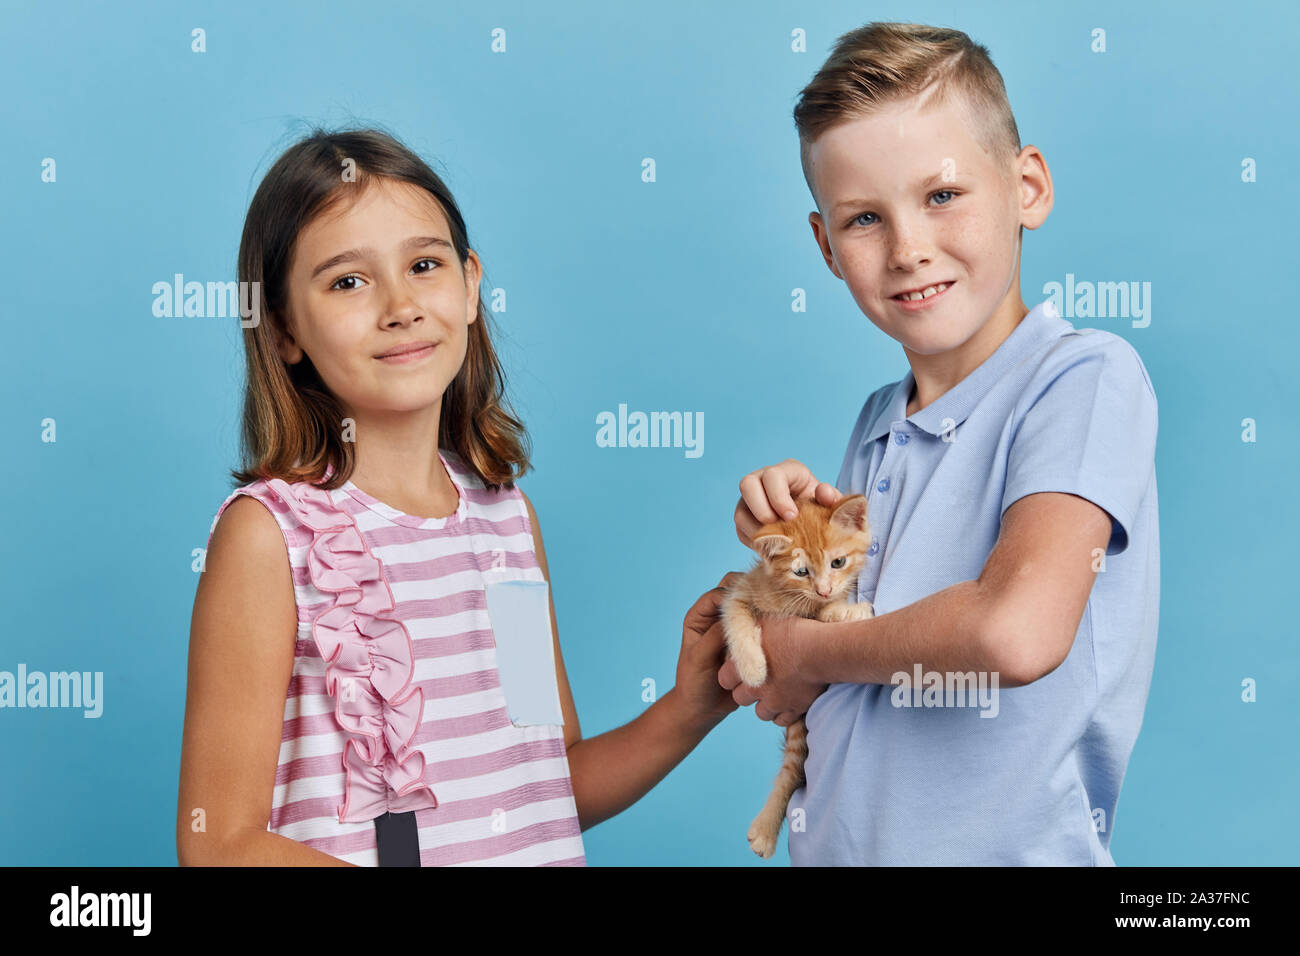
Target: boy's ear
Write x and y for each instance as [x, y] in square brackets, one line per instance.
[770, 545]
[823, 242]
[850, 514]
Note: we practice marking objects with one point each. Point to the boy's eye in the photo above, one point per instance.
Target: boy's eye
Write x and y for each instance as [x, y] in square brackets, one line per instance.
[856, 221]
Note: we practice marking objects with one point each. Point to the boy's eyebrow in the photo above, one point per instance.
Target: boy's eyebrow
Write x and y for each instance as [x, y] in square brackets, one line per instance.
[415, 242]
[924, 184]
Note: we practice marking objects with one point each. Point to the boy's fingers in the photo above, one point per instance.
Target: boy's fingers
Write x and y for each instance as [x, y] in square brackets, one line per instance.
[728, 675]
[828, 494]
[745, 524]
[776, 483]
[768, 495]
[755, 497]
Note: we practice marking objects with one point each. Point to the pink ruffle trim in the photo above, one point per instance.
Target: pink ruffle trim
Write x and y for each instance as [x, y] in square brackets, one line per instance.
[369, 660]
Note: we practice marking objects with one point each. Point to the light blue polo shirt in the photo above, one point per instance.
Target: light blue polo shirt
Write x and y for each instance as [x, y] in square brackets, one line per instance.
[1055, 408]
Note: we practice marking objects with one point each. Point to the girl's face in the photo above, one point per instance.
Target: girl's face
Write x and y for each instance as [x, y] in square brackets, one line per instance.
[380, 274]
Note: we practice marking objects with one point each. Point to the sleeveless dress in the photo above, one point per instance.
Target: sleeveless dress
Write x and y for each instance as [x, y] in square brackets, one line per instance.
[396, 703]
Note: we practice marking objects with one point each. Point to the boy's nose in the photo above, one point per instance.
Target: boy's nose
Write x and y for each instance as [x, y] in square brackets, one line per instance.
[909, 256]
[908, 249]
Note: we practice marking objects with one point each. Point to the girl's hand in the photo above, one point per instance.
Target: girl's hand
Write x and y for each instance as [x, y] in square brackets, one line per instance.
[785, 696]
[704, 647]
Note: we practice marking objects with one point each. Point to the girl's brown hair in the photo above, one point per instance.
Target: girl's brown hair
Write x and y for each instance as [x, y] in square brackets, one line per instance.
[292, 422]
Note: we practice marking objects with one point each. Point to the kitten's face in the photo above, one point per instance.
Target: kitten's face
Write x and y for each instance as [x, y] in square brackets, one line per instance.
[816, 556]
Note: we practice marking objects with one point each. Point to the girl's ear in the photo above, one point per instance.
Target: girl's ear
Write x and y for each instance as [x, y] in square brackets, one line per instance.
[770, 545]
[473, 278]
[288, 350]
[850, 514]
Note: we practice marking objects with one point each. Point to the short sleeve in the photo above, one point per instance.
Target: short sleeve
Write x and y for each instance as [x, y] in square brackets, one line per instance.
[1088, 429]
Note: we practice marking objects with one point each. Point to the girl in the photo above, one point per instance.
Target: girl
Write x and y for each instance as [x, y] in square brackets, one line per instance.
[375, 676]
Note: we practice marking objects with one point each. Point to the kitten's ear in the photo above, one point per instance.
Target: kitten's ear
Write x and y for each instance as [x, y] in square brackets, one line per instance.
[851, 514]
[770, 545]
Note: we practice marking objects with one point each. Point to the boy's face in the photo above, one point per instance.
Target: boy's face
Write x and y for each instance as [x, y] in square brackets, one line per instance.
[909, 199]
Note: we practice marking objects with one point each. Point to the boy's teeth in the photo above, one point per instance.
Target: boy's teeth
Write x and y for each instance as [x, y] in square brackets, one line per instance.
[924, 294]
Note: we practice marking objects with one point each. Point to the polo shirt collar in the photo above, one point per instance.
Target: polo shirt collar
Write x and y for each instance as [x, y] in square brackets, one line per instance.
[1041, 323]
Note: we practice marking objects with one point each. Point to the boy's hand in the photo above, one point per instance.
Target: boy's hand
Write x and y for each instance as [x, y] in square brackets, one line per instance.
[769, 494]
[785, 696]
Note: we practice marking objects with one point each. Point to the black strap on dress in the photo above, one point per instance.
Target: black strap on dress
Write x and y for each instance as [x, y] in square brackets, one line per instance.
[399, 844]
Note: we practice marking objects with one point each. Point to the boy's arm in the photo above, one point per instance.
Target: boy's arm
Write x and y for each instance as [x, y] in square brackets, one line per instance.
[1018, 618]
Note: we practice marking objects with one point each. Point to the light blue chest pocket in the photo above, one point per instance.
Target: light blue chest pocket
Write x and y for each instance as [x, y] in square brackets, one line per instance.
[521, 626]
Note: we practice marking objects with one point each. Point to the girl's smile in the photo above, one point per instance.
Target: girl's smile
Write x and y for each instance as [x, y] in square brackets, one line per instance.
[408, 354]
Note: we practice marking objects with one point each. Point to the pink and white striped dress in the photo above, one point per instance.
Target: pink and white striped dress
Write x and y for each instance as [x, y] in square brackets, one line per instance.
[395, 702]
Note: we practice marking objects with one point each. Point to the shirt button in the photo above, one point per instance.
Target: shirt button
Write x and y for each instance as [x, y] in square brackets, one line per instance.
[900, 439]
[874, 547]
[882, 484]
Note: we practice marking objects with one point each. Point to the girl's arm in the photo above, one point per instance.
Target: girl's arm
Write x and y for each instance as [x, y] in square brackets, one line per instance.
[614, 770]
[241, 659]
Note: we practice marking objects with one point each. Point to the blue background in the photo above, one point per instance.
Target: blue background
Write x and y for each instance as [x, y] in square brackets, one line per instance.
[672, 295]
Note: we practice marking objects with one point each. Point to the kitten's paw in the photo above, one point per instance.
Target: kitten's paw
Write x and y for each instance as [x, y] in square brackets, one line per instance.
[762, 837]
[861, 611]
[844, 611]
[830, 613]
[752, 667]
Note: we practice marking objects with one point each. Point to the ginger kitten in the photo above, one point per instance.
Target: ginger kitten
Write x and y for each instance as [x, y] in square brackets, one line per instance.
[807, 567]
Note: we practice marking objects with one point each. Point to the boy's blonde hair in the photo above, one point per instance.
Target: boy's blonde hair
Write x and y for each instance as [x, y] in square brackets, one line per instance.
[882, 63]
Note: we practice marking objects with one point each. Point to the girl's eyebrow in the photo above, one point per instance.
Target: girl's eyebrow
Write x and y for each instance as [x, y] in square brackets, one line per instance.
[349, 255]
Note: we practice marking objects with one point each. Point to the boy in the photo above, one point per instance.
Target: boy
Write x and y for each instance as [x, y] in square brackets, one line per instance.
[1011, 494]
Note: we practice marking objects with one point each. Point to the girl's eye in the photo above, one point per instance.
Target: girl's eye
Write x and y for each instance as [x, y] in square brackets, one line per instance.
[838, 563]
[335, 285]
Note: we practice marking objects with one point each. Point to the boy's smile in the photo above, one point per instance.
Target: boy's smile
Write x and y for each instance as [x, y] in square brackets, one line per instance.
[910, 200]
